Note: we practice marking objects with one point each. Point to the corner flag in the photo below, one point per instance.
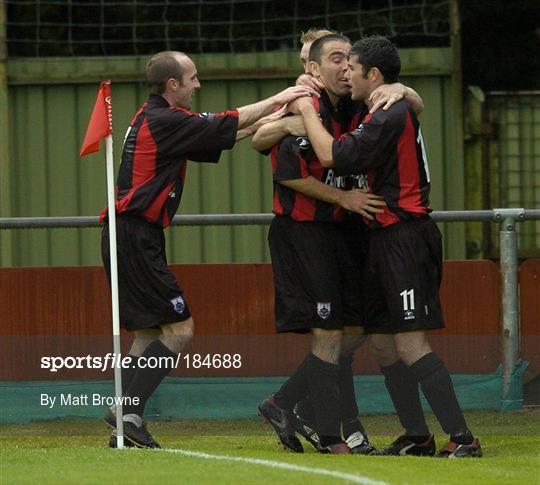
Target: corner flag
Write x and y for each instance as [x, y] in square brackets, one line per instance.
[100, 124]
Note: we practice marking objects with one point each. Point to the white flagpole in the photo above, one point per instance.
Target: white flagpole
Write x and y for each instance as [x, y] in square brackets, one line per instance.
[114, 293]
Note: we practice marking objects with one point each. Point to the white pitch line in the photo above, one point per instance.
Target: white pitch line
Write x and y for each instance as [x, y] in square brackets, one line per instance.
[279, 464]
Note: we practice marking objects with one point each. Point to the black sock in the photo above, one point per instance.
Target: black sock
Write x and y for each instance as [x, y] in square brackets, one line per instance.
[324, 392]
[348, 407]
[403, 389]
[295, 388]
[129, 372]
[304, 409]
[146, 380]
[439, 391]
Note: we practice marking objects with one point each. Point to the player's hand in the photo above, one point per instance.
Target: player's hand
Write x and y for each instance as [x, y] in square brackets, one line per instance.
[364, 203]
[311, 82]
[292, 93]
[295, 125]
[386, 95]
[276, 115]
[295, 107]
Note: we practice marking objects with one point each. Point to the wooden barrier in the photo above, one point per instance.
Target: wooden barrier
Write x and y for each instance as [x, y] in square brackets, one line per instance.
[66, 311]
[529, 284]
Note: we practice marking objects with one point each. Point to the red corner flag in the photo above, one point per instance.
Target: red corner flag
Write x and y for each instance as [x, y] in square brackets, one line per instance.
[100, 124]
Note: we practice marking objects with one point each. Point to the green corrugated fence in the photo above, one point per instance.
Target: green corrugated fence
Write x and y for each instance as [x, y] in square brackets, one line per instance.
[50, 101]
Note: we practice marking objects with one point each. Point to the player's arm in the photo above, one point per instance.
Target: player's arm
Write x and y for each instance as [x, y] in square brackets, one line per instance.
[201, 136]
[320, 139]
[271, 133]
[245, 132]
[387, 94]
[384, 96]
[249, 114]
[252, 129]
[196, 136]
[363, 149]
[355, 200]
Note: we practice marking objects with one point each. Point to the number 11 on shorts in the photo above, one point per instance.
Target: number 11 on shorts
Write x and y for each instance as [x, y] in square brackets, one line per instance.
[408, 299]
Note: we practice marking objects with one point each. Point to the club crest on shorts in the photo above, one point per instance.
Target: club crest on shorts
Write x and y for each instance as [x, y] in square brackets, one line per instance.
[324, 309]
[178, 304]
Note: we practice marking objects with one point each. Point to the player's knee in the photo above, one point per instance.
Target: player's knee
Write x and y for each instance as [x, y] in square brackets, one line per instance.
[350, 343]
[327, 344]
[412, 346]
[176, 336]
[143, 338]
[411, 353]
[377, 347]
[175, 343]
[148, 333]
[383, 351]
[328, 337]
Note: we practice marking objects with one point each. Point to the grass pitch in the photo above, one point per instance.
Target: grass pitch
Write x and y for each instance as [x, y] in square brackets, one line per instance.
[245, 452]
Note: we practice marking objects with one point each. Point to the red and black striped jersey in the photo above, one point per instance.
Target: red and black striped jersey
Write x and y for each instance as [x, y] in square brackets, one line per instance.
[159, 142]
[294, 158]
[388, 146]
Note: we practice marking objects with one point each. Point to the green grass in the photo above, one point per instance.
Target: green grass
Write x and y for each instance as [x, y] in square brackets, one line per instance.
[71, 451]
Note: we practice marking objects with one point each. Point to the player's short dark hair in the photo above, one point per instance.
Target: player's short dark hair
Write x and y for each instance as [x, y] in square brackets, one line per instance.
[377, 51]
[160, 68]
[316, 48]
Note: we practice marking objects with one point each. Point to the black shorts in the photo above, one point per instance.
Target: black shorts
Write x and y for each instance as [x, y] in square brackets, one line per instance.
[148, 292]
[356, 233]
[403, 276]
[315, 279]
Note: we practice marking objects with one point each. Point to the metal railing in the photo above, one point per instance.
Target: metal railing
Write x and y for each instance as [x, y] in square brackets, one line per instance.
[508, 257]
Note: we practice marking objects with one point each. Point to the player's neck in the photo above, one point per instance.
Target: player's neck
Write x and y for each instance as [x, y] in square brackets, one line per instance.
[367, 101]
[169, 98]
[334, 100]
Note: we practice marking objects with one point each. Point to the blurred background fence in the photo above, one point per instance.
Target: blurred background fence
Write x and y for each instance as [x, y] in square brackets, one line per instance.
[53, 53]
[130, 27]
